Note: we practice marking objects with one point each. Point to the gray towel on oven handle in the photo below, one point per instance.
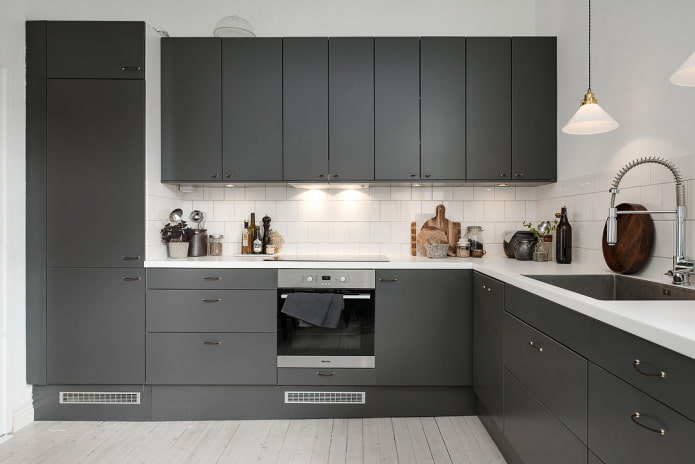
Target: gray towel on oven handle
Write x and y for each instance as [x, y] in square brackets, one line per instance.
[314, 309]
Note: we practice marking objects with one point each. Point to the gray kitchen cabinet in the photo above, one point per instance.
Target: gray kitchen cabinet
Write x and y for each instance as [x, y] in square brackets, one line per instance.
[423, 325]
[443, 108]
[488, 108]
[305, 108]
[351, 108]
[191, 109]
[96, 326]
[95, 49]
[396, 108]
[95, 187]
[488, 309]
[302, 376]
[252, 109]
[212, 279]
[534, 109]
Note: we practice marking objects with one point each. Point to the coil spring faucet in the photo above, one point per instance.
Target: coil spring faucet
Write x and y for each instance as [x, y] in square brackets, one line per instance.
[682, 266]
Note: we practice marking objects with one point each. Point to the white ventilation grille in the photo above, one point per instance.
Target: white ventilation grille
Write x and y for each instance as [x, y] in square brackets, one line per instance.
[305, 397]
[99, 398]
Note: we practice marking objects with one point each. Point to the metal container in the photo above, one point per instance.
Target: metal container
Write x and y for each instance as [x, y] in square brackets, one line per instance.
[198, 242]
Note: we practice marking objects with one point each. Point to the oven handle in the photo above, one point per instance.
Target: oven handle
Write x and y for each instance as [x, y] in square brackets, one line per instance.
[358, 296]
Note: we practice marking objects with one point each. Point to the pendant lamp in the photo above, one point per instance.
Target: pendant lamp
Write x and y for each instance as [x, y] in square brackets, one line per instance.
[590, 118]
[685, 75]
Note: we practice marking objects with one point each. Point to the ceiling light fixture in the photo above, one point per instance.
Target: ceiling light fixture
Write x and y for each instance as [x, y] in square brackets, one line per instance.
[590, 118]
[685, 75]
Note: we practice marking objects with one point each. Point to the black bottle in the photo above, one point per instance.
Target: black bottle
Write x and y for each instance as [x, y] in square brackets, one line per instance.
[563, 238]
[266, 232]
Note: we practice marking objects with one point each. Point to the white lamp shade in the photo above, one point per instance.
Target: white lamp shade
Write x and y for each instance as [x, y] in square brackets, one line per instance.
[589, 119]
[233, 26]
[685, 75]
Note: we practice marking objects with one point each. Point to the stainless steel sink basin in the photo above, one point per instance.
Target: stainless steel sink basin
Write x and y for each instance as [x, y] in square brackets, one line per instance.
[616, 287]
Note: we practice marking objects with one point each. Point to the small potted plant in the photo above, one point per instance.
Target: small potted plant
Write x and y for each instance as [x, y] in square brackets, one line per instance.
[543, 237]
[176, 237]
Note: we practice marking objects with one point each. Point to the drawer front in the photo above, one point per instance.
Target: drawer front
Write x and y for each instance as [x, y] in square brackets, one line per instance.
[211, 311]
[536, 435]
[198, 358]
[615, 434]
[292, 376]
[616, 351]
[212, 279]
[554, 374]
[564, 325]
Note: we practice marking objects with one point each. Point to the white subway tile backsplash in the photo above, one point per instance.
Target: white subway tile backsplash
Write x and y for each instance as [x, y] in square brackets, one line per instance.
[410, 210]
[515, 210]
[265, 207]
[206, 207]
[380, 193]
[525, 193]
[442, 193]
[296, 232]
[668, 198]
[505, 193]
[463, 193]
[358, 232]
[343, 211]
[233, 193]
[473, 211]
[243, 210]
[368, 210]
[369, 248]
[422, 193]
[286, 211]
[379, 232]
[223, 211]
[257, 192]
[213, 193]
[317, 232]
[390, 211]
[400, 193]
[338, 232]
[275, 192]
[494, 210]
[484, 193]
[651, 197]
[400, 232]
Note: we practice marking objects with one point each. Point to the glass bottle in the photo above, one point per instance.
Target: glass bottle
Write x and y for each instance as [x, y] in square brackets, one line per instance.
[563, 238]
[245, 239]
[252, 230]
[257, 243]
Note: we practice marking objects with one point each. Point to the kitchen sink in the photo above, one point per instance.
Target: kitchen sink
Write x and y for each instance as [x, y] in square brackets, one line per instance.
[616, 287]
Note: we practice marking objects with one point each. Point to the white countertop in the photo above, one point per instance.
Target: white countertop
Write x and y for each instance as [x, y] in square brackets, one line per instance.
[667, 323]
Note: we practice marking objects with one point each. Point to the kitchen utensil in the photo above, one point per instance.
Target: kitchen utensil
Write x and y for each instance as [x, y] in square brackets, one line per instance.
[635, 240]
[198, 217]
[518, 235]
[523, 249]
[176, 215]
[544, 227]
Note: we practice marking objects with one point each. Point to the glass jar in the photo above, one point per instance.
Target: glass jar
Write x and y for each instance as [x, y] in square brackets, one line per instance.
[215, 245]
[474, 236]
[463, 249]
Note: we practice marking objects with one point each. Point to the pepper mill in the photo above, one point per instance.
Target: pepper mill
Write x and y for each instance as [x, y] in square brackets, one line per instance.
[266, 232]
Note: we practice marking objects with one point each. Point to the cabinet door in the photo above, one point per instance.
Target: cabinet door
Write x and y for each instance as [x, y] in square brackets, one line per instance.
[443, 107]
[351, 108]
[95, 49]
[191, 109]
[305, 108]
[396, 108]
[534, 108]
[252, 102]
[488, 308]
[423, 332]
[488, 108]
[96, 326]
[95, 172]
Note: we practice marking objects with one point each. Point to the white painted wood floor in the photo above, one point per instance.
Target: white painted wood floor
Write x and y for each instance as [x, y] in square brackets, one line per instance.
[326, 441]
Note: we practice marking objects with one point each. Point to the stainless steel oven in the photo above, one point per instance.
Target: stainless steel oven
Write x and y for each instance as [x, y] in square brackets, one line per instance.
[351, 343]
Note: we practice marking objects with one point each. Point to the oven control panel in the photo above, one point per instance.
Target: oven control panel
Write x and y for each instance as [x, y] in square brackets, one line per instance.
[326, 278]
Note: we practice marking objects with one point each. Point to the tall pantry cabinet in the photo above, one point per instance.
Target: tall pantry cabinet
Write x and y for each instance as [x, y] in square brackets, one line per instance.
[85, 202]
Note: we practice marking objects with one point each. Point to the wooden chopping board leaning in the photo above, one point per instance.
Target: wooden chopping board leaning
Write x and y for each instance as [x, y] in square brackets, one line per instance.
[438, 229]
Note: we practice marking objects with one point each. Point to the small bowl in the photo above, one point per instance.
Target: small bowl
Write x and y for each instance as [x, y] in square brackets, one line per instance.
[477, 253]
[437, 250]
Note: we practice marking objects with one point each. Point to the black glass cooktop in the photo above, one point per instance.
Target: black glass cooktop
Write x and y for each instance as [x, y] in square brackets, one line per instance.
[334, 258]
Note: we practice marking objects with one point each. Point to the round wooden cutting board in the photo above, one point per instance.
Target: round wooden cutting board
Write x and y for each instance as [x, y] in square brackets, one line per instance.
[635, 240]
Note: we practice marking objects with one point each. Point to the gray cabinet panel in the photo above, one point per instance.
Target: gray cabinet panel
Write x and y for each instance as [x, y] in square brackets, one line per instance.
[95, 167]
[443, 107]
[616, 439]
[95, 49]
[211, 311]
[564, 325]
[616, 351]
[488, 108]
[534, 433]
[351, 108]
[396, 108]
[212, 279]
[211, 358]
[305, 108]
[488, 308]
[96, 326]
[191, 109]
[554, 374]
[534, 108]
[293, 376]
[252, 102]
[423, 327]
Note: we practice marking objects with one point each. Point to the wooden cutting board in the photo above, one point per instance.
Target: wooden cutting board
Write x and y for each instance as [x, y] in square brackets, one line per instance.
[440, 230]
[635, 241]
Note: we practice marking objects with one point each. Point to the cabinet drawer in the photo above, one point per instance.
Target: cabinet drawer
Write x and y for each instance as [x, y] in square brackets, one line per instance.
[212, 279]
[615, 434]
[211, 358]
[567, 326]
[534, 433]
[211, 310]
[617, 352]
[554, 374]
[293, 376]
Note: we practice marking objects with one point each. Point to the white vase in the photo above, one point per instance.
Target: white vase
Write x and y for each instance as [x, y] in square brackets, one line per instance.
[177, 250]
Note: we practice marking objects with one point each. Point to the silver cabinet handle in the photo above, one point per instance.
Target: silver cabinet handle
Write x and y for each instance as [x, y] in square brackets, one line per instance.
[534, 346]
[636, 416]
[660, 374]
[346, 296]
[215, 176]
[130, 279]
[212, 278]
[428, 175]
[518, 174]
[503, 174]
[229, 176]
[210, 300]
[388, 280]
[321, 175]
[130, 258]
[413, 175]
[325, 374]
[131, 68]
[335, 175]
[485, 287]
[216, 342]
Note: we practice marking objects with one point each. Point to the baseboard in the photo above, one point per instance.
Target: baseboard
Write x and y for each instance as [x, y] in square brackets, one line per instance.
[22, 416]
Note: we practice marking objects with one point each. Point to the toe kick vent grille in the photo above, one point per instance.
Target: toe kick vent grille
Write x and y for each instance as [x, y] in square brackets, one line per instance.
[305, 397]
[99, 398]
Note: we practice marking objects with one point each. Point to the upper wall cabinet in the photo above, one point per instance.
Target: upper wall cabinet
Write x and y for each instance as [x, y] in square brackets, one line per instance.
[397, 108]
[191, 109]
[252, 109]
[95, 50]
[443, 108]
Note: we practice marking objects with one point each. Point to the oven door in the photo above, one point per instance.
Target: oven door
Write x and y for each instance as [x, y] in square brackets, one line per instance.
[350, 345]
